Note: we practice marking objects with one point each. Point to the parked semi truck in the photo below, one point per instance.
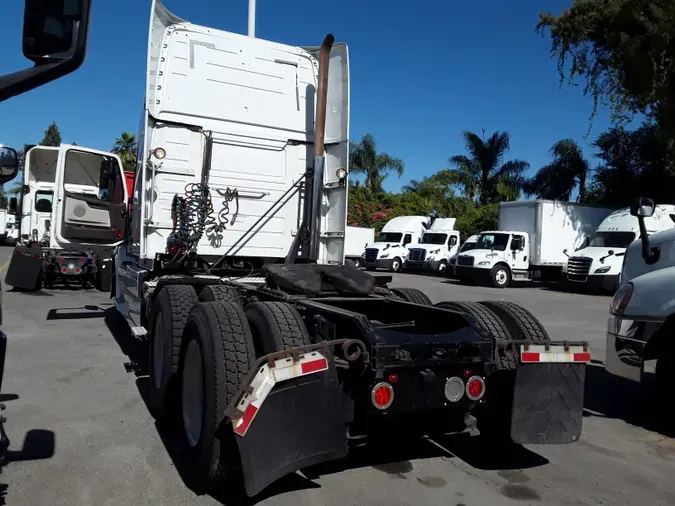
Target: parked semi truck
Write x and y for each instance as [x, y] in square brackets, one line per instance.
[77, 252]
[437, 246]
[390, 250]
[531, 242]
[356, 241]
[468, 245]
[597, 264]
[642, 315]
[55, 53]
[275, 352]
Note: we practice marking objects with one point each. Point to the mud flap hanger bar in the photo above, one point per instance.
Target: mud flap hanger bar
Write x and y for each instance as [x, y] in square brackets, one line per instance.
[352, 349]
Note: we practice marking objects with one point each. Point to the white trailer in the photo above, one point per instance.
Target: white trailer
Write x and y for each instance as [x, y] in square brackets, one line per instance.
[531, 242]
[356, 241]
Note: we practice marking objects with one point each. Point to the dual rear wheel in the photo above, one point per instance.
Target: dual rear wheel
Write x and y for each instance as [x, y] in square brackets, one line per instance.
[213, 341]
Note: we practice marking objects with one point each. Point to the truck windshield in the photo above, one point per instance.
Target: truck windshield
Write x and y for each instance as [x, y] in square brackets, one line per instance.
[612, 239]
[467, 246]
[493, 241]
[434, 238]
[390, 237]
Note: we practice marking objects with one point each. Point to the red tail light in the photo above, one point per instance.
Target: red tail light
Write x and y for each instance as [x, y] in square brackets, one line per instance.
[77, 270]
[64, 270]
[475, 388]
[61, 259]
[382, 395]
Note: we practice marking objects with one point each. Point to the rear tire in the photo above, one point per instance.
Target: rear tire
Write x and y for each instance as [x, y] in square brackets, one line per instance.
[169, 313]
[521, 323]
[412, 295]
[220, 293]
[276, 326]
[216, 355]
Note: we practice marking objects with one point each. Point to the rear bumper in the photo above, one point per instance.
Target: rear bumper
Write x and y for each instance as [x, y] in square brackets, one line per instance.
[626, 343]
[594, 282]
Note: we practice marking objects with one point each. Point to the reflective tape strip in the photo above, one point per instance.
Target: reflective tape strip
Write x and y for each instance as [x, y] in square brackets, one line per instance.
[555, 353]
[263, 382]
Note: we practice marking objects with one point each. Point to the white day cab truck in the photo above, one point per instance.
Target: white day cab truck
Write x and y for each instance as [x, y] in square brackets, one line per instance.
[468, 245]
[91, 204]
[597, 265]
[12, 228]
[437, 246]
[390, 249]
[357, 240]
[640, 345]
[530, 244]
[277, 354]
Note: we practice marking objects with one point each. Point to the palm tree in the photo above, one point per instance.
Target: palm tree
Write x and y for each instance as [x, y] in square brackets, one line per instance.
[483, 174]
[126, 146]
[567, 171]
[364, 159]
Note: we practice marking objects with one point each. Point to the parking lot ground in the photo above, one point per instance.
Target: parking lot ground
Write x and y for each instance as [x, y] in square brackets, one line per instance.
[81, 433]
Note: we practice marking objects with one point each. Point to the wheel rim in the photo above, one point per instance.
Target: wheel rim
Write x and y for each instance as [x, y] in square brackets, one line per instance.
[501, 277]
[157, 352]
[357, 263]
[442, 267]
[395, 265]
[193, 393]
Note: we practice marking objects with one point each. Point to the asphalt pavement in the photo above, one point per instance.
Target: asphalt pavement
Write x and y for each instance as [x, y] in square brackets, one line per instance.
[81, 433]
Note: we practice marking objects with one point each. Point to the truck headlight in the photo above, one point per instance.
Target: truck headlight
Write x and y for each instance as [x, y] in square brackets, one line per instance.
[603, 270]
[431, 258]
[484, 262]
[621, 299]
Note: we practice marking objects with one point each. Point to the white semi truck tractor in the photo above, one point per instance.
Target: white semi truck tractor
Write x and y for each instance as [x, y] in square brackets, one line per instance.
[390, 249]
[597, 264]
[231, 271]
[437, 246]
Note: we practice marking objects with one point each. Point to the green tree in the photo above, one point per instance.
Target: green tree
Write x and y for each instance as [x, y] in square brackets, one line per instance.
[52, 136]
[557, 180]
[125, 147]
[364, 159]
[624, 51]
[483, 174]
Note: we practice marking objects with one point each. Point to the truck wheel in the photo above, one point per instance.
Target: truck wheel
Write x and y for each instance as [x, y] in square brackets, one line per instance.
[168, 316]
[357, 263]
[412, 295]
[216, 355]
[521, 323]
[396, 265]
[220, 293]
[500, 275]
[443, 267]
[276, 326]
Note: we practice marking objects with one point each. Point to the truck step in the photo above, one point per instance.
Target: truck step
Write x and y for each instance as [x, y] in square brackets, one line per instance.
[138, 332]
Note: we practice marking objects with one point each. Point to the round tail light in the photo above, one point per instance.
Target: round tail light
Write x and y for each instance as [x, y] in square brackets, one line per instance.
[454, 389]
[64, 270]
[382, 395]
[77, 270]
[475, 388]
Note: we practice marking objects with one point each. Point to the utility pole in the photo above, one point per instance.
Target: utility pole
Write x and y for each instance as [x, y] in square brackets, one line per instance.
[251, 18]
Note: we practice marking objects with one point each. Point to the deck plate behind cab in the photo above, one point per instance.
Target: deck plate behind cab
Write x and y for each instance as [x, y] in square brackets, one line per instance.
[300, 424]
[548, 403]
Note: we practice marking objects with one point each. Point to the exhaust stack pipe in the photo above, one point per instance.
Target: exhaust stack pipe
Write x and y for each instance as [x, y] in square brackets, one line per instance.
[319, 148]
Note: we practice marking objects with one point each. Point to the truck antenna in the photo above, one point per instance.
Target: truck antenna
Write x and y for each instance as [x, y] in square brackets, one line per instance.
[251, 18]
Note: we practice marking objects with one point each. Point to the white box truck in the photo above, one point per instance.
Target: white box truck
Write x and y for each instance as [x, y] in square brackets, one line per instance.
[597, 265]
[437, 246]
[530, 243]
[356, 241]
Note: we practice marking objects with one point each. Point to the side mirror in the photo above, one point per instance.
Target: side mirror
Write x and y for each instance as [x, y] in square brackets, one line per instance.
[610, 252]
[642, 208]
[9, 164]
[13, 205]
[54, 38]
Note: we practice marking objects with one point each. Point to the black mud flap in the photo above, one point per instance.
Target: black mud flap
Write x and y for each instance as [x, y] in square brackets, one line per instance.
[548, 403]
[25, 268]
[301, 423]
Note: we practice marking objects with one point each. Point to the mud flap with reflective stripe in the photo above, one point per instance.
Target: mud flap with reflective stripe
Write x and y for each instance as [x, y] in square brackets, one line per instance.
[548, 403]
[301, 423]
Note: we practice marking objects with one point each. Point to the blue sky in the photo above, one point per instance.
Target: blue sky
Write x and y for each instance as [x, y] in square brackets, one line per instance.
[421, 73]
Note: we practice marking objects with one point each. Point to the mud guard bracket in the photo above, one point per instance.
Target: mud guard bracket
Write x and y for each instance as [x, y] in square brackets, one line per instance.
[301, 423]
[548, 403]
